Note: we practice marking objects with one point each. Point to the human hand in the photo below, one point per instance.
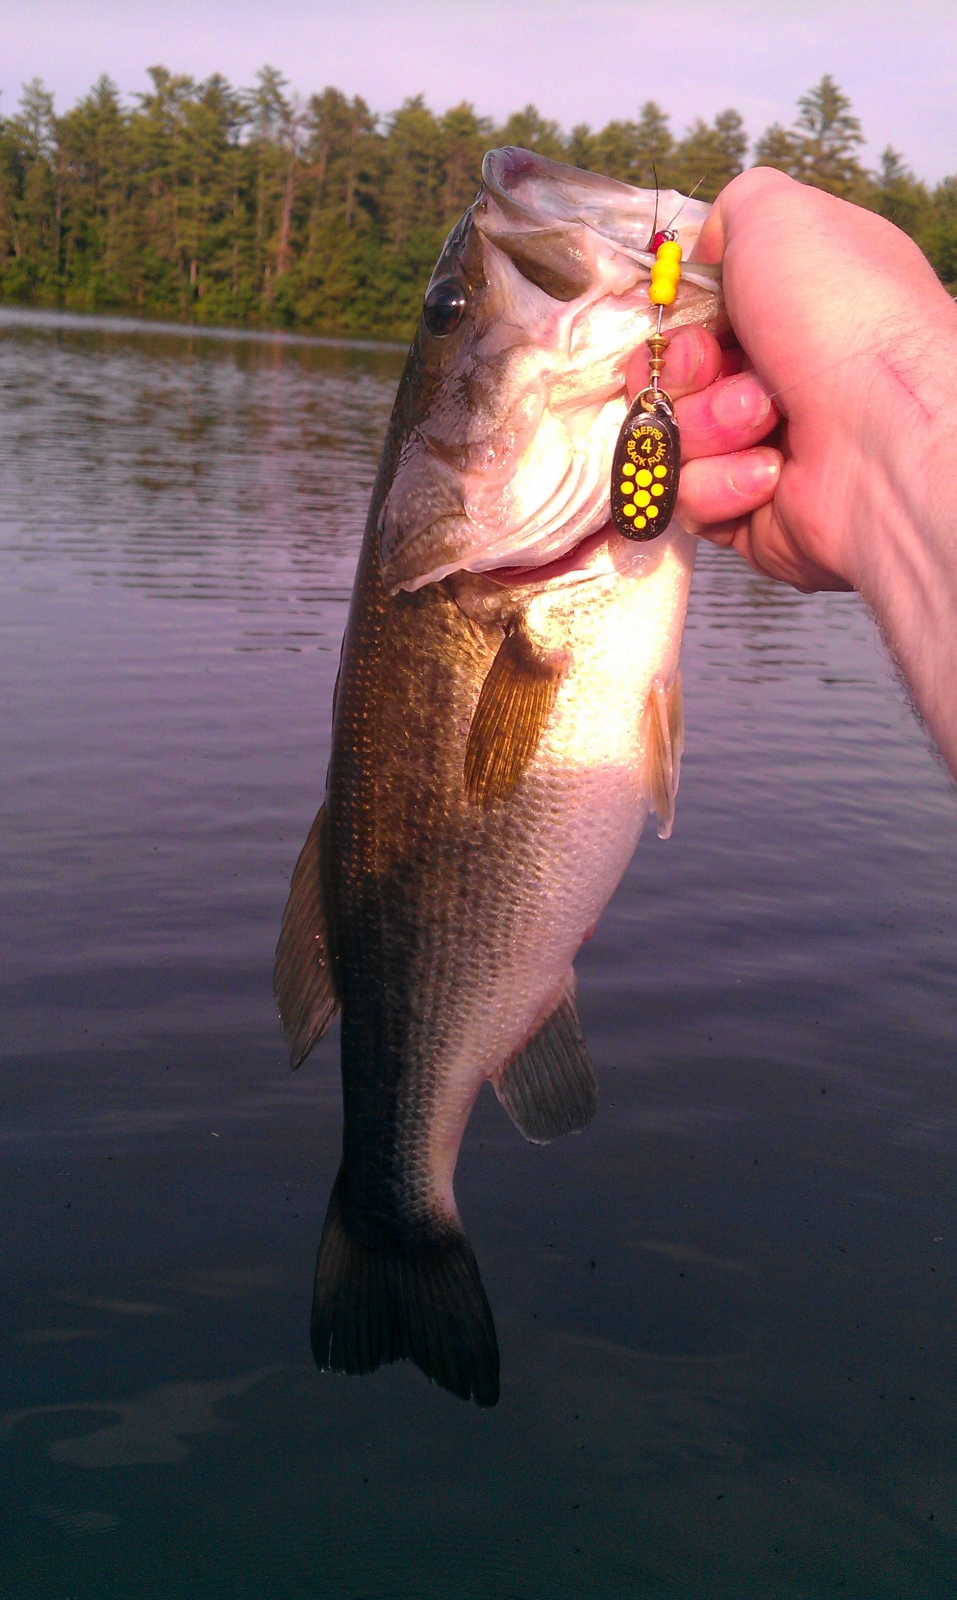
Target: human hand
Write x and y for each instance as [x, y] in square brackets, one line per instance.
[841, 316]
[853, 342]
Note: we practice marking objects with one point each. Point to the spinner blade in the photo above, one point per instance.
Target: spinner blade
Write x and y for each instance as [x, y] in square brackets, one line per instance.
[645, 469]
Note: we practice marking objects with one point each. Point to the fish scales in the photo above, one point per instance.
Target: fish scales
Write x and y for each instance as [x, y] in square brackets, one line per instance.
[507, 712]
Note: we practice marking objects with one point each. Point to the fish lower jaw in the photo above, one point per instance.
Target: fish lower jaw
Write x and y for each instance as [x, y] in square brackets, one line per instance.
[600, 554]
[595, 552]
[495, 595]
[577, 562]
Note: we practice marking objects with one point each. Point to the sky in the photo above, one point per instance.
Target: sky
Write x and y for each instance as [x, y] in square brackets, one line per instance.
[577, 60]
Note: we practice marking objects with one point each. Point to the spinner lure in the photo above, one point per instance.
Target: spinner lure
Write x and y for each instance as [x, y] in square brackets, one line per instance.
[644, 473]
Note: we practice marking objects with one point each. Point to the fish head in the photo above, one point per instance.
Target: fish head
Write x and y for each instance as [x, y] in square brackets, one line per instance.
[514, 393]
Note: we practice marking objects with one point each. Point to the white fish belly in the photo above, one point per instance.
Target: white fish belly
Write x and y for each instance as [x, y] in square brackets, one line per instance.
[584, 801]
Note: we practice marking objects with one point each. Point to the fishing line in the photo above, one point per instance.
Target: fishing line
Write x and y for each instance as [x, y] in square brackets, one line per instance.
[689, 196]
[842, 361]
[654, 225]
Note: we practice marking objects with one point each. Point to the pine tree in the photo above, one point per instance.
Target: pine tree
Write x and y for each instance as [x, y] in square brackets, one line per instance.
[580, 150]
[213, 204]
[821, 147]
[937, 235]
[780, 149]
[530, 131]
[38, 201]
[103, 246]
[653, 148]
[270, 112]
[900, 197]
[829, 136]
[464, 138]
[708, 158]
[616, 151]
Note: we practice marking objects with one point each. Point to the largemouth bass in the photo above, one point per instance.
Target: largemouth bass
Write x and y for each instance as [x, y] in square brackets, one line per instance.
[508, 711]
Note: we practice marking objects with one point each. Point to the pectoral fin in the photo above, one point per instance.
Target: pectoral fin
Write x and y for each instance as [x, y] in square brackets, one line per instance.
[549, 1087]
[302, 977]
[513, 708]
[664, 737]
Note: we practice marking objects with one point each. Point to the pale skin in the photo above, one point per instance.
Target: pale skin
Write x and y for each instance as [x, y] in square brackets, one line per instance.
[849, 349]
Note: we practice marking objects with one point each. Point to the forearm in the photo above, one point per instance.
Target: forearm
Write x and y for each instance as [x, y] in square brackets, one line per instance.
[902, 554]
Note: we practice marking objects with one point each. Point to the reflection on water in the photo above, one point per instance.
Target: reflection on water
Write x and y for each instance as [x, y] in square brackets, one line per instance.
[249, 476]
[726, 1311]
[152, 1429]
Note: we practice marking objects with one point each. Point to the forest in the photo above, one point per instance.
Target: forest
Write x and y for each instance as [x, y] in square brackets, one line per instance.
[210, 204]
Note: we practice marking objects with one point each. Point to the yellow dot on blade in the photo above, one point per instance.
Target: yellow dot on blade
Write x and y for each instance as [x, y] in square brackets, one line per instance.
[652, 511]
[644, 478]
[626, 488]
[628, 470]
[661, 472]
[640, 522]
[657, 489]
[629, 511]
[643, 497]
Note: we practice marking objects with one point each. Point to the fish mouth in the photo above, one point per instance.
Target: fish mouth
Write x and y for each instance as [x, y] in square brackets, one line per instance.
[575, 561]
[602, 554]
[602, 557]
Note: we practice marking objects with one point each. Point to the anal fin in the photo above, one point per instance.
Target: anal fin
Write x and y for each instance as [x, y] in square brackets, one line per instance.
[513, 708]
[302, 976]
[549, 1087]
[664, 737]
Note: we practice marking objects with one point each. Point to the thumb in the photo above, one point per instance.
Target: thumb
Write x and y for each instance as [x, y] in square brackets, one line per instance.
[729, 210]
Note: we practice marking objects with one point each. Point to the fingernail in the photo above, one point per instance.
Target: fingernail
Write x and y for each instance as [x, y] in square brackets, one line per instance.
[687, 361]
[754, 471]
[739, 400]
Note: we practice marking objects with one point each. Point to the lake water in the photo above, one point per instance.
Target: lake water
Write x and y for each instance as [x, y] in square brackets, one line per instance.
[726, 1311]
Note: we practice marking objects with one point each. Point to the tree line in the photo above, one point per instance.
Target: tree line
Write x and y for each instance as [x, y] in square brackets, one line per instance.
[215, 205]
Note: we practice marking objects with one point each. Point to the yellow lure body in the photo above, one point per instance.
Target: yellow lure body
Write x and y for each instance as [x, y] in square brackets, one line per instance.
[665, 273]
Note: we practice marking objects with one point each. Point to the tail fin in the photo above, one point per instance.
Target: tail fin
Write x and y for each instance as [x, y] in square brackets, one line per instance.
[383, 1302]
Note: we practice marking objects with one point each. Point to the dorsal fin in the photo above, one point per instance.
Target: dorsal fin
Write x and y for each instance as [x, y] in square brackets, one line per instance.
[664, 741]
[302, 977]
[513, 708]
[549, 1087]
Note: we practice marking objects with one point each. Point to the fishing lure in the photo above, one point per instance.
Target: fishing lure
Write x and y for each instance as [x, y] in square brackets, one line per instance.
[644, 473]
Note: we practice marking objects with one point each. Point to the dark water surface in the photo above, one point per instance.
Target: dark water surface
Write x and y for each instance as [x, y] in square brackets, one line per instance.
[726, 1311]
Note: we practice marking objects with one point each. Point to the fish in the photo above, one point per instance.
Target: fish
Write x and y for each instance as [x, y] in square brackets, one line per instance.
[507, 715]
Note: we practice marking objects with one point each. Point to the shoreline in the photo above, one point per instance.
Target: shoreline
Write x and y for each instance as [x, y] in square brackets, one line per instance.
[123, 322]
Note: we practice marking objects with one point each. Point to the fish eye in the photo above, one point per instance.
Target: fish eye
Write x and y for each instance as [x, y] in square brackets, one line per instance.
[444, 306]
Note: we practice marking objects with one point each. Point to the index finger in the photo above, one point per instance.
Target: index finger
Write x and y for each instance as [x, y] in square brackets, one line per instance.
[692, 361]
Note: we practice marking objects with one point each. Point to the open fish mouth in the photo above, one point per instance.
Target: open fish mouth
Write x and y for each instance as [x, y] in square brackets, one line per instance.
[602, 556]
[581, 561]
[536, 304]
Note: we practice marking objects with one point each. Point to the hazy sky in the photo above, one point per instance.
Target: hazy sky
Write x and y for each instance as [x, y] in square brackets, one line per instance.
[578, 60]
